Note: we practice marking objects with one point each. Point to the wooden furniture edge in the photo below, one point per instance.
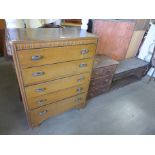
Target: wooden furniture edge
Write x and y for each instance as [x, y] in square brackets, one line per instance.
[24, 45]
[20, 82]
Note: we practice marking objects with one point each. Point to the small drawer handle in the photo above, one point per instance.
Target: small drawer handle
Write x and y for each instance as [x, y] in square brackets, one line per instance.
[43, 112]
[40, 90]
[93, 83]
[96, 73]
[41, 102]
[106, 80]
[83, 65]
[40, 73]
[78, 99]
[80, 79]
[79, 89]
[36, 57]
[84, 51]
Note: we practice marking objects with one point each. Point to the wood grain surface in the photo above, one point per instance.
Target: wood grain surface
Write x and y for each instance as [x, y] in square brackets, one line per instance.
[135, 43]
[114, 37]
[58, 80]
[38, 57]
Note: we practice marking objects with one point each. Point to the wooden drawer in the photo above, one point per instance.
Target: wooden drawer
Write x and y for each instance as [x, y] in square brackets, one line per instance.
[56, 96]
[101, 81]
[52, 86]
[109, 70]
[38, 57]
[97, 91]
[44, 112]
[51, 72]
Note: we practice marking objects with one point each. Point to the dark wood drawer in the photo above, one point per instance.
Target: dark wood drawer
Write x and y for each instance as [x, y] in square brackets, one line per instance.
[108, 70]
[93, 91]
[101, 81]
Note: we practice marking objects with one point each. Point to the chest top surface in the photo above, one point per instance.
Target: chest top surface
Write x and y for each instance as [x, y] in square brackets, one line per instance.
[47, 34]
[103, 61]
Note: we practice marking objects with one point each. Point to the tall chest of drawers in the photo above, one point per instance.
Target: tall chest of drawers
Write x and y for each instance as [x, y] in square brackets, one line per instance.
[53, 68]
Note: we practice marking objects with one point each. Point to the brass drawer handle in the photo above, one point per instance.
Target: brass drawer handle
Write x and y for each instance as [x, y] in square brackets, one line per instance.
[36, 57]
[82, 65]
[41, 102]
[79, 89]
[84, 51]
[80, 79]
[40, 90]
[40, 73]
[43, 112]
[78, 99]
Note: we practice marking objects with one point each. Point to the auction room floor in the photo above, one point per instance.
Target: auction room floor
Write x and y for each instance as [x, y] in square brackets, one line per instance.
[127, 110]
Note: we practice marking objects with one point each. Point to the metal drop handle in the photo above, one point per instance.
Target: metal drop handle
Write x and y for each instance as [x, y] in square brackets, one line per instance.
[106, 80]
[36, 57]
[96, 73]
[43, 112]
[84, 51]
[40, 90]
[40, 73]
[83, 65]
[79, 89]
[41, 102]
[93, 83]
[80, 79]
[78, 99]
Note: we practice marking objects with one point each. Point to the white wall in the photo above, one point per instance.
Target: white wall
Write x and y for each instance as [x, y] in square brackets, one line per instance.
[84, 25]
[14, 23]
[147, 48]
[30, 23]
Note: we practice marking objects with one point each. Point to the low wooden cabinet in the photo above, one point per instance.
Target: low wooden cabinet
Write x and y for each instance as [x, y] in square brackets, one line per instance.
[53, 67]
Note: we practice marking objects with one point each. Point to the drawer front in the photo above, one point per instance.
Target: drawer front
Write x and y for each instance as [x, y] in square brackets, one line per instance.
[42, 113]
[56, 96]
[52, 86]
[97, 91]
[101, 81]
[51, 72]
[38, 57]
[109, 70]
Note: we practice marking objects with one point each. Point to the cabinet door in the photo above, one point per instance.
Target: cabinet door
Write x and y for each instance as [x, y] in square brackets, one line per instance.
[114, 37]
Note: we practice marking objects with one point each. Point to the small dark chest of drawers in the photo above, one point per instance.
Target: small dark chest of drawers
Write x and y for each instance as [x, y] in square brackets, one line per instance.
[103, 71]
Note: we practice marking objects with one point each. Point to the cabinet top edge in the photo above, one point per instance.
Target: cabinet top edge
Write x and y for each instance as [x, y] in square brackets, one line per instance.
[47, 34]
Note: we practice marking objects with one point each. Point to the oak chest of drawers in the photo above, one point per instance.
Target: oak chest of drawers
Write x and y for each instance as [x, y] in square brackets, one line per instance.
[103, 72]
[53, 68]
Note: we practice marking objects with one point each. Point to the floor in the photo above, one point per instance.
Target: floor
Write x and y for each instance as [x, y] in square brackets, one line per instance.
[127, 110]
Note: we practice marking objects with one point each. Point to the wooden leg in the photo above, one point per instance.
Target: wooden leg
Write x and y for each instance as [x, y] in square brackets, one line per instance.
[82, 106]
